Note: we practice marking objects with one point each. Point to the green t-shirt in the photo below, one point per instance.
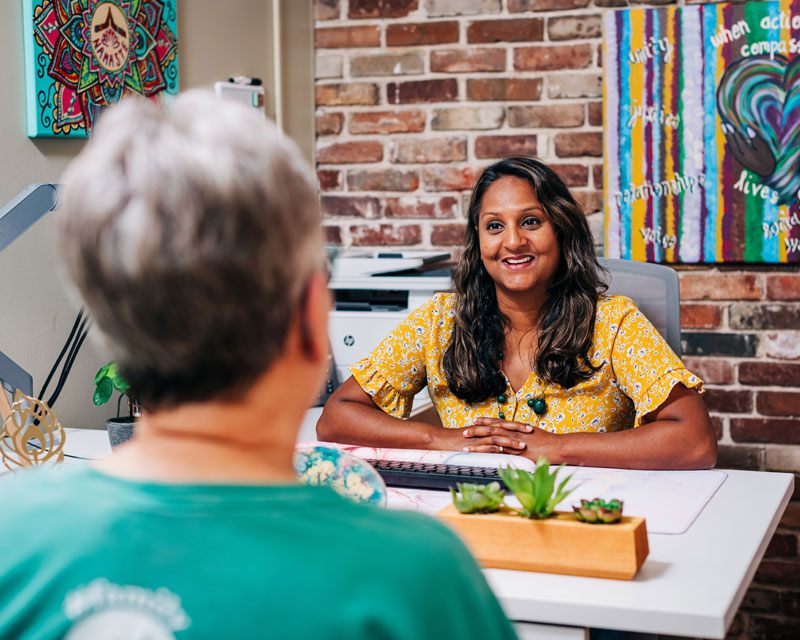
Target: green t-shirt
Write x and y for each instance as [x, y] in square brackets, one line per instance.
[86, 556]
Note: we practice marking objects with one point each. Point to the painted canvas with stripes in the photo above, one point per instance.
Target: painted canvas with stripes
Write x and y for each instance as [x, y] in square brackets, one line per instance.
[702, 133]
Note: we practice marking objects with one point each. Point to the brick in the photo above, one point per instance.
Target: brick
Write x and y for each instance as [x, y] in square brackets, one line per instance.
[778, 403]
[767, 628]
[350, 152]
[385, 235]
[781, 346]
[333, 235]
[329, 179]
[763, 600]
[360, 9]
[772, 430]
[597, 176]
[728, 400]
[470, 118]
[409, 35]
[382, 180]
[579, 144]
[589, 201]
[572, 175]
[386, 64]
[422, 91]
[619, 3]
[739, 457]
[783, 287]
[505, 89]
[505, 146]
[700, 316]
[782, 545]
[518, 6]
[710, 370]
[419, 150]
[791, 517]
[327, 66]
[421, 207]
[448, 178]
[347, 37]
[702, 343]
[339, 95]
[447, 235]
[719, 286]
[575, 85]
[575, 27]
[782, 459]
[468, 60]
[765, 316]
[779, 572]
[462, 7]
[546, 116]
[790, 603]
[519, 30]
[549, 58]
[354, 206]
[596, 114]
[329, 124]
[326, 9]
[718, 424]
[769, 373]
[387, 122]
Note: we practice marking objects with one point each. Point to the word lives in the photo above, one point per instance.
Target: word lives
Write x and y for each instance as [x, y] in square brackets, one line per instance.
[744, 185]
[650, 48]
[652, 114]
[654, 236]
[674, 187]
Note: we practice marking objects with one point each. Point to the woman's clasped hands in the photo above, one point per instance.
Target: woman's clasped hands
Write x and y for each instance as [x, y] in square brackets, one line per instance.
[495, 435]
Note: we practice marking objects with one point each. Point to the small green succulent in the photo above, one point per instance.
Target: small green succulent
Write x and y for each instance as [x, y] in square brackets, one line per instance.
[107, 380]
[598, 511]
[536, 490]
[478, 498]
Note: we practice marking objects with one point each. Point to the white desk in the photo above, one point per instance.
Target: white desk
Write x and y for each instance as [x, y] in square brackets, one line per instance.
[691, 584]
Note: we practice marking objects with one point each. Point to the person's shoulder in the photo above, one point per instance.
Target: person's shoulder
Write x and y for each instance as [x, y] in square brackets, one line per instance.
[611, 309]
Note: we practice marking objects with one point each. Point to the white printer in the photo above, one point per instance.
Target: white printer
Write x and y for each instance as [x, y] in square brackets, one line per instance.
[373, 292]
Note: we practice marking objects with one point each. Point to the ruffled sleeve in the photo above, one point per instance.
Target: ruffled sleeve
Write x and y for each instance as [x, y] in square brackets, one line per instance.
[396, 370]
[645, 366]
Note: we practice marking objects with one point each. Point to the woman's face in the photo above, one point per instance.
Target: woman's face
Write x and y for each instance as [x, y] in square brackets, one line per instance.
[517, 239]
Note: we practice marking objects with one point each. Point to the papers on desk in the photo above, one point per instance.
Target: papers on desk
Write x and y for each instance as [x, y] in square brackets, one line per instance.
[670, 501]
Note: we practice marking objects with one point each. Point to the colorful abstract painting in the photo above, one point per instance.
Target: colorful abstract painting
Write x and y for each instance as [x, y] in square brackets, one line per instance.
[82, 54]
[702, 133]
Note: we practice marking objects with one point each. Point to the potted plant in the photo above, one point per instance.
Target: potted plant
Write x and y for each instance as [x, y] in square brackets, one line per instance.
[544, 539]
[107, 380]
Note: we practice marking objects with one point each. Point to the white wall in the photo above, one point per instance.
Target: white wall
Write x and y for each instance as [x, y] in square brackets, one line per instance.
[217, 40]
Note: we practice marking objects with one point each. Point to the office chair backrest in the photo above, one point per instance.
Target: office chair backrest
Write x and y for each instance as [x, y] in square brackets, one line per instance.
[656, 291]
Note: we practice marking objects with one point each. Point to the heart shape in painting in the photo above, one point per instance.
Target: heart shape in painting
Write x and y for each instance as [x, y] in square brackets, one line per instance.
[758, 99]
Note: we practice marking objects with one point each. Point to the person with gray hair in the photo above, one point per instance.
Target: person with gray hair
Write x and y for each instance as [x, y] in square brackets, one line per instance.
[193, 237]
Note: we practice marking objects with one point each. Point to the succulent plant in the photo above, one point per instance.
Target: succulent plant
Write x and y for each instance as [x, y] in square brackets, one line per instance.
[478, 498]
[536, 490]
[598, 511]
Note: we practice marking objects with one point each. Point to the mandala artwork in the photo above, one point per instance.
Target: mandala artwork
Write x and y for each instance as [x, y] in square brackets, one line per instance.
[84, 54]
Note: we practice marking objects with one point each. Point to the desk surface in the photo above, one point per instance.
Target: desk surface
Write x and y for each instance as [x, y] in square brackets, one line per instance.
[691, 584]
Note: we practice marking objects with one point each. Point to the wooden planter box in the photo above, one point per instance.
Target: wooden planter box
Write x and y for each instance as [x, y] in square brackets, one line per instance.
[560, 544]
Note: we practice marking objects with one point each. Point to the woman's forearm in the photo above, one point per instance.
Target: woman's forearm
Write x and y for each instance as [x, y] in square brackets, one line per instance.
[666, 444]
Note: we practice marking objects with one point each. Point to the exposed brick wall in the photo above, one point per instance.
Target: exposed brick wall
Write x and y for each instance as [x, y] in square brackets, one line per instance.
[414, 97]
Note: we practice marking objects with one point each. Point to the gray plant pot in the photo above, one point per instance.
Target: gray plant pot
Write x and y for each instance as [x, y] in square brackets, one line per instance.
[120, 430]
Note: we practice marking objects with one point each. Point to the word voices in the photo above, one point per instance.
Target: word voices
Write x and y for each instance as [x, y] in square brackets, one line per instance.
[654, 236]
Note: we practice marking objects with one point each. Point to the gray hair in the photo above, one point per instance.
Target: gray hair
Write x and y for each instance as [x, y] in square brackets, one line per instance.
[190, 233]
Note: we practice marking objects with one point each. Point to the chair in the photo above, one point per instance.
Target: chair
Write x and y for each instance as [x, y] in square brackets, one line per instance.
[656, 291]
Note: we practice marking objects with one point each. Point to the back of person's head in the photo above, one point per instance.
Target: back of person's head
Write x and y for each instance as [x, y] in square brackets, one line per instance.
[190, 233]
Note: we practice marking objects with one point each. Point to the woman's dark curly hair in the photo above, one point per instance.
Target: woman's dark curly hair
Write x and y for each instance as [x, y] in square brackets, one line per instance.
[566, 321]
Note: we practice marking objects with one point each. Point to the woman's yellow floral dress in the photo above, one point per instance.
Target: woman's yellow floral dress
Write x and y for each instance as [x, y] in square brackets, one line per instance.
[636, 372]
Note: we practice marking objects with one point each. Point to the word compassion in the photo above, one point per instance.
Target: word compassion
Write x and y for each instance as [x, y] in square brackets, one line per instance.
[674, 187]
[652, 114]
[650, 48]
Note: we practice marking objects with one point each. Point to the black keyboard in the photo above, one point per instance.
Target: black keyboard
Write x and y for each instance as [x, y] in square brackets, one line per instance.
[422, 475]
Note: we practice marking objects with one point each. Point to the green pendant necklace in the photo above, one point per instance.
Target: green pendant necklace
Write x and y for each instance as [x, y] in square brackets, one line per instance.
[538, 404]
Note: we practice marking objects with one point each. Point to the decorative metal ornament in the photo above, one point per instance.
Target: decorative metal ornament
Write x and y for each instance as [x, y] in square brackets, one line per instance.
[31, 435]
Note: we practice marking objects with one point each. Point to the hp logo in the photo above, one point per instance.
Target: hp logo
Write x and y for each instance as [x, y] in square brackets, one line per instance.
[349, 340]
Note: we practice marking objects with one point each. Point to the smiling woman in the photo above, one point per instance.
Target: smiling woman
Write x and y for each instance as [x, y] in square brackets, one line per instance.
[528, 356]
